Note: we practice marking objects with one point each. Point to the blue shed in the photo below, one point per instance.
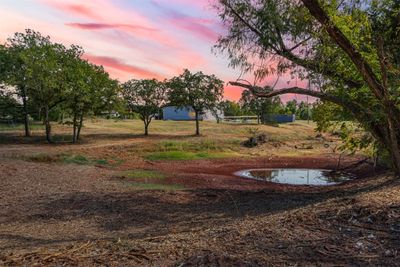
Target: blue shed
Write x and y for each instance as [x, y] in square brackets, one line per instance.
[279, 118]
[179, 114]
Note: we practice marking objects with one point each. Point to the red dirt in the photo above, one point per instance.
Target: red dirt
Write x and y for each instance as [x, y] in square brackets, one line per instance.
[57, 214]
[219, 174]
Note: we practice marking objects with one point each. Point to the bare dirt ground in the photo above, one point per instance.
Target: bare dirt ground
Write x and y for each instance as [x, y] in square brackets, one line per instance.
[58, 214]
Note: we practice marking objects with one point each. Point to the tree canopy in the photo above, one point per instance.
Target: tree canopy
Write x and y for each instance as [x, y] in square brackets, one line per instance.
[48, 75]
[348, 50]
[197, 90]
[145, 97]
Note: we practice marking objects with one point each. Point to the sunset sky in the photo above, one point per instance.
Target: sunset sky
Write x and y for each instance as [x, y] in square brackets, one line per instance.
[131, 38]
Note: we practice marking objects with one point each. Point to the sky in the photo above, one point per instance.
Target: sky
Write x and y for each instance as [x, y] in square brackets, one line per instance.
[133, 39]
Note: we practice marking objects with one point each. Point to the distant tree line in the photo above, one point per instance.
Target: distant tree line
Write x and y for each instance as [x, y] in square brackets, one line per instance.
[249, 104]
[198, 91]
[47, 81]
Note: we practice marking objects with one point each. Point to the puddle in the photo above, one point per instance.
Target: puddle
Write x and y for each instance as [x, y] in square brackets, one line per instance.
[296, 176]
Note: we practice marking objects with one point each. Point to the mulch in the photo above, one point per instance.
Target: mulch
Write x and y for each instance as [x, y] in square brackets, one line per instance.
[220, 220]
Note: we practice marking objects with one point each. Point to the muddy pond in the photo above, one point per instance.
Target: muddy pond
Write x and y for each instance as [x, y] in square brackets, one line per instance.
[296, 176]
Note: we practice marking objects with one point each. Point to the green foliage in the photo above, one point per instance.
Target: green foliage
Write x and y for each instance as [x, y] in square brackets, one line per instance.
[304, 111]
[347, 50]
[258, 105]
[89, 89]
[145, 97]
[54, 79]
[326, 114]
[232, 108]
[9, 107]
[196, 90]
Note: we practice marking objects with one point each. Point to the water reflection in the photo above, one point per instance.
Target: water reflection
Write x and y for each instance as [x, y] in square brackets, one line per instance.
[296, 176]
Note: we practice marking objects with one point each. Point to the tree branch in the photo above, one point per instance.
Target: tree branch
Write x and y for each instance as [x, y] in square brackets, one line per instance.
[252, 88]
[358, 111]
[343, 42]
[287, 53]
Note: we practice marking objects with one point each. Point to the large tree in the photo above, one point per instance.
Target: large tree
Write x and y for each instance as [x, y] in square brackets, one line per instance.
[35, 66]
[197, 90]
[145, 97]
[89, 89]
[14, 67]
[349, 50]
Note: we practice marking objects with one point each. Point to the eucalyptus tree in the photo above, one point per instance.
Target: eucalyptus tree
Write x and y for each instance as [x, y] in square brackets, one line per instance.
[145, 97]
[197, 90]
[349, 50]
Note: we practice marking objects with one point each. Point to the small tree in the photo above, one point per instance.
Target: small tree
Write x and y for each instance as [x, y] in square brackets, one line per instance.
[231, 108]
[196, 90]
[144, 97]
[259, 106]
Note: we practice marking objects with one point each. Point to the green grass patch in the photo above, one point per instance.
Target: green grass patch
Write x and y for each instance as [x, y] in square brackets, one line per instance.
[144, 174]
[69, 159]
[155, 186]
[184, 155]
[82, 160]
[76, 159]
[20, 126]
[101, 161]
[204, 144]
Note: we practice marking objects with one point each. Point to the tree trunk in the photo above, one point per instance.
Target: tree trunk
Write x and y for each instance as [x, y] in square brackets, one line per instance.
[26, 115]
[78, 134]
[197, 123]
[146, 125]
[75, 126]
[393, 146]
[47, 124]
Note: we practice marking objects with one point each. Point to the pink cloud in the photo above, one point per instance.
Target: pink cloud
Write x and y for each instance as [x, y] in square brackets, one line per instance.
[201, 27]
[195, 26]
[120, 66]
[100, 26]
[74, 9]
[199, 4]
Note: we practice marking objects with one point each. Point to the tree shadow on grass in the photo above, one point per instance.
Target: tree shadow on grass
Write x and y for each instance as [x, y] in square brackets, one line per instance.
[66, 139]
